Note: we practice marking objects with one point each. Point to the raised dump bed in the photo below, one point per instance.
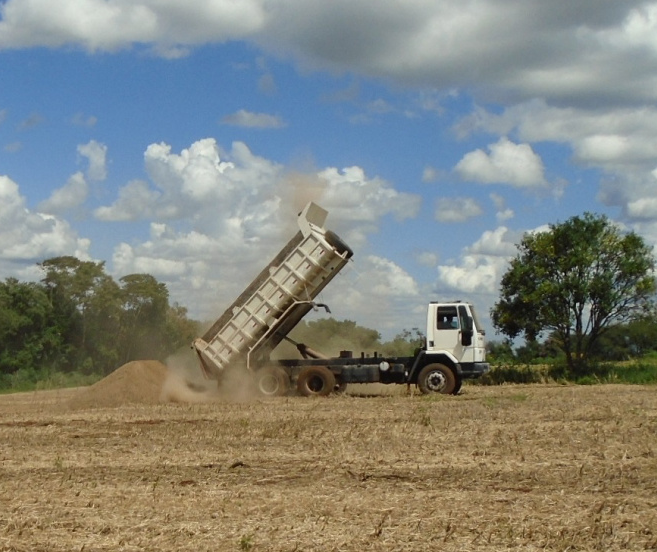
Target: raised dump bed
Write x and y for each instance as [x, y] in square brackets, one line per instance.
[277, 299]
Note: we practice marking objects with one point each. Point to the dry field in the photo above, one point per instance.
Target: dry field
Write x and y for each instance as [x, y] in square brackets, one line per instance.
[111, 467]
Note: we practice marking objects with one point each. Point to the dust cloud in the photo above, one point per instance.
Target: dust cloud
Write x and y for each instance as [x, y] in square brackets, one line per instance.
[296, 191]
[186, 383]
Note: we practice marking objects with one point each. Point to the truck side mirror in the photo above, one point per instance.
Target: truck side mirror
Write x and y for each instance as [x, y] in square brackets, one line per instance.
[467, 331]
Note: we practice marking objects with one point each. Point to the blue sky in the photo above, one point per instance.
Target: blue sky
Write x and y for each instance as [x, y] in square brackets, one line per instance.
[180, 139]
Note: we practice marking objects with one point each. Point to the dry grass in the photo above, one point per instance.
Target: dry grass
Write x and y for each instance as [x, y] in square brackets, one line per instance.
[512, 467]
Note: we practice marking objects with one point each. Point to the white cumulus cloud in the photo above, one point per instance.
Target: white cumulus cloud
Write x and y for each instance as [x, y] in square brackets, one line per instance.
[71, 195]
[136, 200]
[28, 237]
[96, 155]
[506, 163]
[102, 25]
[217, 217]
[620, 141]
[384, 277]
[516, 49]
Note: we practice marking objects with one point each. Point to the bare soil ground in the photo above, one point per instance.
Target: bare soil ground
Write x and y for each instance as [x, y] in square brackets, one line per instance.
[112, 467]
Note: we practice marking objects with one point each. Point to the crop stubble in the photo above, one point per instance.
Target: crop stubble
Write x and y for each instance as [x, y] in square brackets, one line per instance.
[496, 468]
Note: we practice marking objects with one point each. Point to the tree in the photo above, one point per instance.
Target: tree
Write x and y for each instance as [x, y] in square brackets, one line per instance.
[78, 319]
[86, 304]
[28, 335]
[500, 351]
[180, 330]
[575, 280]
[623, 341]
[144, 318]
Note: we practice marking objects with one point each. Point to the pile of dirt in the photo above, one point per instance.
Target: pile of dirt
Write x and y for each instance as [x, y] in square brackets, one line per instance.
[137, 382]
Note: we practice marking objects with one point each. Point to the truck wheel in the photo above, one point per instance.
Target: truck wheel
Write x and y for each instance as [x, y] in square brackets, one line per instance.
[272, 381]
[436, 378]
[336, 242]
[315, 381]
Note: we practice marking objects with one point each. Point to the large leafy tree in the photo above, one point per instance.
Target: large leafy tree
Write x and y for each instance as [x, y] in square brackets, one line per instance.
[87, 305]
[144, 318]
[575, 281]
[79, 319]
[29, 336]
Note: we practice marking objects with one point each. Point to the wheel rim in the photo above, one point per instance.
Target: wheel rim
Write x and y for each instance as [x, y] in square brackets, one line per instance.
[269, 384]
[436, 381]
[315, 384]
[315, 381]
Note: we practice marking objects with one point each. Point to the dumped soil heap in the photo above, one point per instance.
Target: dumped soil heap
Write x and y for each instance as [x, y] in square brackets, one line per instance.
[137, 382]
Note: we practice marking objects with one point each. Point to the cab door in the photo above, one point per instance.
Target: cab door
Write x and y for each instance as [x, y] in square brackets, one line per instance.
[450, 329]
[446, 329]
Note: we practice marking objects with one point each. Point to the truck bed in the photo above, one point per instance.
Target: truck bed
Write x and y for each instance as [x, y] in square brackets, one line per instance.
[277, 299]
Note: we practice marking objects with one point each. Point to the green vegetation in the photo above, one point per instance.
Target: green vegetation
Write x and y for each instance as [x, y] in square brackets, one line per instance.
[575, 282]
[640, 370]
[77, 325]
[582, 294]
[40, 380]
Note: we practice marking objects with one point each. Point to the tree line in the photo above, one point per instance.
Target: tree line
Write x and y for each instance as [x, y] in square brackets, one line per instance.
[77, 318]
[583, 290]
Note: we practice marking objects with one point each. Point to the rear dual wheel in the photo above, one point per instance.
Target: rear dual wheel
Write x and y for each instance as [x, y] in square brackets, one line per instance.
[316, 381]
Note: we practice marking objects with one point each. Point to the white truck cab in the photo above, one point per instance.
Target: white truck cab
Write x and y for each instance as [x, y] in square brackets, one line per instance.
[454, 330]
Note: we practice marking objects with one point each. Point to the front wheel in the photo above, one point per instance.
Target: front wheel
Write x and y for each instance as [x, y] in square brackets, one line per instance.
[316, 381]
[436, 378]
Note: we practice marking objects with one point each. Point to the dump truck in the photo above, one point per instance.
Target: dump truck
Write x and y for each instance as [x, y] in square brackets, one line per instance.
[244, 337]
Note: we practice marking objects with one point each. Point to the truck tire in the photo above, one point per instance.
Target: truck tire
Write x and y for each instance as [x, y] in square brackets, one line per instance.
[336, 242]
[315, 381]
[272, 381]
[436, 378]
